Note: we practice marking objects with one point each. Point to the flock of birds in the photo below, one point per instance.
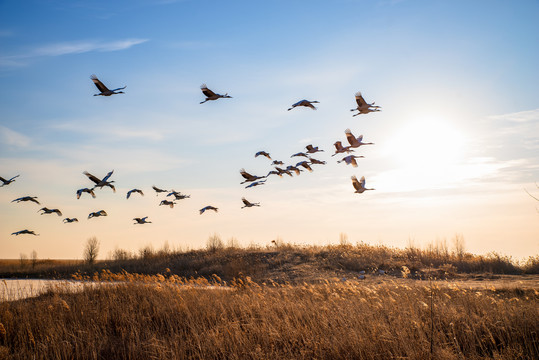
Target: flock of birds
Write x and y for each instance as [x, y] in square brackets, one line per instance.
[279, 168]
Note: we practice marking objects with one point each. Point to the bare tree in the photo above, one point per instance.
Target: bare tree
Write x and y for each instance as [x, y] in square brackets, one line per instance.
[91, 250]
[458, 244]
[33, 256]
[214, 243]
[23, 260]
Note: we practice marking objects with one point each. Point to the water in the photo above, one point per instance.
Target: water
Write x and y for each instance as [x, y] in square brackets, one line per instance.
[16, 289]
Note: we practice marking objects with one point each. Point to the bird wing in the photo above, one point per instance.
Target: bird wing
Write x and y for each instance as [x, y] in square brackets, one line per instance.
[108, 175]
[359, 100]
[119, 88]
[3, 180]
[207, 92]
[57, 211]
[356, 183]
[362, 181]
[99, 84]
[34, 200]
[360, 138]
[245, 201]
[129, 193]
[102, 213]
[350, 137]
[92, 177]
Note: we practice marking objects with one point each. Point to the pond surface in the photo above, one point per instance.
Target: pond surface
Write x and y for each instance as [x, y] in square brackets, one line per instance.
[15, 289]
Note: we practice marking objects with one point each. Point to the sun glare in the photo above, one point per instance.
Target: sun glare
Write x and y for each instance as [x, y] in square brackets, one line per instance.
[426, 154]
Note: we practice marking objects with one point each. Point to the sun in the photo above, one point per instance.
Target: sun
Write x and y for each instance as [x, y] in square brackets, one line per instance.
[426, 153]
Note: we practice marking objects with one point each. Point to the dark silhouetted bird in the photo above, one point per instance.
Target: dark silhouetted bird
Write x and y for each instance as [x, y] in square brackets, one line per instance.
[7, 182]
[25, 231]
[50, 211]
[104, 91]
[247, 203]
[97, 214]
[70, 220]
[101, 182]
[134, 191]
[85, 190]
[27, 198]
[141, 220]
[210, 95]
[305, 103]
[209, 207]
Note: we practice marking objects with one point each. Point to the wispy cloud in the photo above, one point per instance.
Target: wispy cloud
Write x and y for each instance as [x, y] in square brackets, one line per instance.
[79, 47]
[68, 48]
[519, 117]
[13, 138]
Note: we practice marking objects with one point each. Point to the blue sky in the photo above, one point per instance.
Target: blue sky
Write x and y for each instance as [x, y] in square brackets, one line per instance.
[455, 143]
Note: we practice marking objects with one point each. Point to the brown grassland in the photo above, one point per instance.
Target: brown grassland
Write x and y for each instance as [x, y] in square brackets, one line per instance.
[284, 302]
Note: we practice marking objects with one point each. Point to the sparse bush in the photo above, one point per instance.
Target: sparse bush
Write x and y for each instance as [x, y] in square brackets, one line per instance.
[214, 243]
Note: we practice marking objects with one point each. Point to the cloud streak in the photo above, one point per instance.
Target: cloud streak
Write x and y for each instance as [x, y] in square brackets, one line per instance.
[68, 48]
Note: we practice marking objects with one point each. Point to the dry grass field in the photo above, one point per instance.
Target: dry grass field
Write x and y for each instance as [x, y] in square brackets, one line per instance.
[300, 303]
[168, 317]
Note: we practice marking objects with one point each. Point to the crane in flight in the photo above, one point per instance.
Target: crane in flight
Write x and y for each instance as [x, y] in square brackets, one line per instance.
[210, 95]
[27, 198]
[97, 214]
[312, 149]
[50, 211]
[247, 203]
[134, 191]
[9, 181]
[364, 107]
[209, 207]
[305, 103]
[351, 159]
[256, 183]
[157, 190]
[353, 141]
[141, 220]
[359, 185]
[85, 190]
[178, 195]
[166, 202]
[339, 149]
[263, 153]
[248, 177]
[25, 231]
[103, 90]
[101, 182]
[70, 220]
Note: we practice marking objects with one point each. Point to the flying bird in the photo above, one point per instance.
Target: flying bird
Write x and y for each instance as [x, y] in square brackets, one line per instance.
[350, 159]
[263, 153]
[256, 183]
[359, 185]
[85, 190]
[50, 211]
[70, 220]
[210, 95]
[312, 149]
[294, 169]
[300, 154]
[178, 195]
[247, 203]
[283, 171]
[353, 141]
[157, 190]
[209, 207]
[101, 182]
[25, 231]
[134, 191]
[277, 162]
[306, 165]
[315, 161]
[7, 182]
[97, 214]
[27, 198]
[305, 103]
[166, 202]
[248, 177]
[104, 91]
[363, 107]
[339, 149]
[141, 221]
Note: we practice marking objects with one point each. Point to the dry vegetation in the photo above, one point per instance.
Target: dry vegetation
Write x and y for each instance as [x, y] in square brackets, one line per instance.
[281, 301]
[168, 317]
[284, 262]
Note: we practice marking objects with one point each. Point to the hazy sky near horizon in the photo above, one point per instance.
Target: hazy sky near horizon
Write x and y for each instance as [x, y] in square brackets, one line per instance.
[456, 142]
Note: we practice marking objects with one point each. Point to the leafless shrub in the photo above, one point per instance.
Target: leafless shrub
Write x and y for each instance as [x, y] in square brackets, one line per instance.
[91, 250]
